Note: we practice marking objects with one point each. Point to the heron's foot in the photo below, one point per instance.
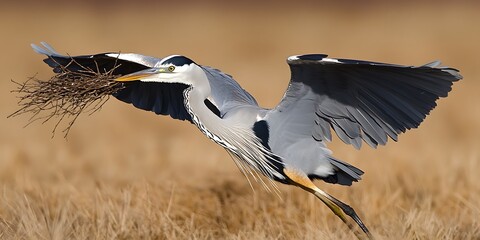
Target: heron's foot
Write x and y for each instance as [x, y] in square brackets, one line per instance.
[346, 209]
[340, 209]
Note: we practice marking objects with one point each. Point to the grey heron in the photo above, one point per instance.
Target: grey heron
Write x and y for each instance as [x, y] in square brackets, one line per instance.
[361, 101]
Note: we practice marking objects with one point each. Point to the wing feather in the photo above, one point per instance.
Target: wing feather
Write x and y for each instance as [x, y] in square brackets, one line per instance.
[362, 100]
[160, 98]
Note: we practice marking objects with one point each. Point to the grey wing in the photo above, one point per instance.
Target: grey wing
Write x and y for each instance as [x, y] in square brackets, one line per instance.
[161, 98]
[124, 62]
[226, 93]
[360, 100]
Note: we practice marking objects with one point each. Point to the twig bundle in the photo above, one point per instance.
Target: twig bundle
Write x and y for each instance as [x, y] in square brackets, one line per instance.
[66, 95]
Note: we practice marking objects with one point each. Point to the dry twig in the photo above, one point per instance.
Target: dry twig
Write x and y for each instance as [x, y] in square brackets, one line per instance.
[66, 95]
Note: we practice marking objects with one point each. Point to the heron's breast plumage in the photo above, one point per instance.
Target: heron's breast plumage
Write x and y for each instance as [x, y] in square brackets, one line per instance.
[199, 124]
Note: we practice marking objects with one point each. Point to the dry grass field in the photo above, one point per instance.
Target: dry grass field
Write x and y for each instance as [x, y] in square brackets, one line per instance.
[129, 174]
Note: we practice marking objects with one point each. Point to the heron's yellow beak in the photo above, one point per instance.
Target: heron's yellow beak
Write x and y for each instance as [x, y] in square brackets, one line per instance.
[128, 78]
[136, 76]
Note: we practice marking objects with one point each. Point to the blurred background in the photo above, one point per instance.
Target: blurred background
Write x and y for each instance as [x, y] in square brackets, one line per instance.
[127, 173]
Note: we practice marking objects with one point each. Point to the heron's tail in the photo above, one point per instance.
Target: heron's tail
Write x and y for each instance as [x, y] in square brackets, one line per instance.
[345, 174]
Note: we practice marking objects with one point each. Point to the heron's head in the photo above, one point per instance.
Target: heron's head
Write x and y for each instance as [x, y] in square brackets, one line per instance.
[172, 69]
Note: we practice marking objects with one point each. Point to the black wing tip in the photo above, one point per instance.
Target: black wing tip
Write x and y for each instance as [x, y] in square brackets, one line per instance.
[310, 57]
[324, 59]
[306, 58]
[455, 73]
[44, 49]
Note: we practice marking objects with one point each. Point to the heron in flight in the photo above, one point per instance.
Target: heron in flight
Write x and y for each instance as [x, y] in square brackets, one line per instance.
[361, 101]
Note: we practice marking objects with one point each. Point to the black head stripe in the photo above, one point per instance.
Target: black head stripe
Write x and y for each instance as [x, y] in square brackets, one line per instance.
[178, 61]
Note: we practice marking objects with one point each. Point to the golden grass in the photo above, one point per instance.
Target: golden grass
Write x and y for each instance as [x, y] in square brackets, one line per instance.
[128, 174]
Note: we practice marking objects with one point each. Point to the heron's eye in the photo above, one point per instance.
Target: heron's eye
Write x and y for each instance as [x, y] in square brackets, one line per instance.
[171, 68]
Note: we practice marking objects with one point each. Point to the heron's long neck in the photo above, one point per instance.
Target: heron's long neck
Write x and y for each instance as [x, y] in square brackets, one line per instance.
[208, 122]
[235, 137]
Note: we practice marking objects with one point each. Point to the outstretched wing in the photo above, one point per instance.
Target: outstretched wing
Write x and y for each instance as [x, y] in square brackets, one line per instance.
[360, 100]
[161, 98]
[124, 63]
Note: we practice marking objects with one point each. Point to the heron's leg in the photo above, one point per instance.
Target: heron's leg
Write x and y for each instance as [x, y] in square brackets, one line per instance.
[340, 209]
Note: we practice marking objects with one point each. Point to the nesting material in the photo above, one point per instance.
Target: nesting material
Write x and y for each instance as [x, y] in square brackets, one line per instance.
[66, 95]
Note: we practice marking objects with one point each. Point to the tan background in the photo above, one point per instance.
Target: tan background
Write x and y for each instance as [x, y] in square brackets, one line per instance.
[126, 173]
